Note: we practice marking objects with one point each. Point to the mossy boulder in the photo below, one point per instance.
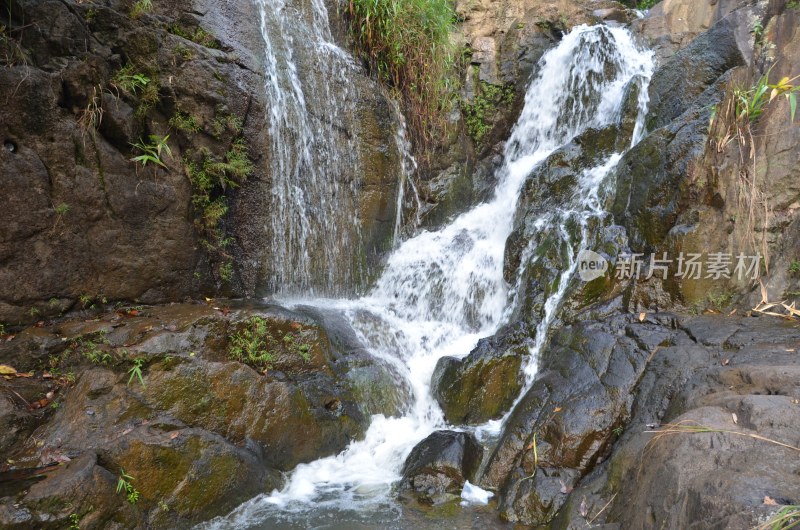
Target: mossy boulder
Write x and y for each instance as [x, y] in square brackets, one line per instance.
[200, 432]
[484, 384]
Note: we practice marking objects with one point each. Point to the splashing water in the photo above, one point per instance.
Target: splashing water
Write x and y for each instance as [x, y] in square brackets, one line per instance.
[442, 291]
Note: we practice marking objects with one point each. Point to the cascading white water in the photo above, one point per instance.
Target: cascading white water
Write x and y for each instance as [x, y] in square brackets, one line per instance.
[311, 245]
[441, 291]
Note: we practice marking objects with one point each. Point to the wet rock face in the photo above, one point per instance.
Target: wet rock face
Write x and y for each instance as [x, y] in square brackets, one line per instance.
[581, 394]
[484, 384]
[724, 374]
[679, 82]
[120, 231]
[438, 466]
[550, 185]
[199, 433]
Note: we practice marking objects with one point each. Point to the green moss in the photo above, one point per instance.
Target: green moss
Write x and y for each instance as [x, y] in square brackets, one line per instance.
[212, 177]
[197, 35]
[487, 102]
[185, 122]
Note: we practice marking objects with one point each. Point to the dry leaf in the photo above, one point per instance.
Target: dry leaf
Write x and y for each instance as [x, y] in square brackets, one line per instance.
[25, 374]
[642, 316]
[174, 435]
[726, 362]
[7, 370]
[769, 501]
[735, 418]
[732, 313]
[557, 409]
[565, 489]
[584, 508]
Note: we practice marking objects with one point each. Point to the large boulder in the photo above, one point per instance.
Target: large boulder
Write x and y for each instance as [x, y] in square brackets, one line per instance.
[484, 384]
[438, 466]
[565, 424]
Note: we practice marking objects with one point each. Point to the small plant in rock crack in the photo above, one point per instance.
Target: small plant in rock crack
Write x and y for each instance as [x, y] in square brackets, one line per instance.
[751, 103]
[141, 7]
[250, 344]
[136, 371]
[794, 267]
[124, 485]
[129, 80]
[74, 522]
[785, 518]
[152, 152]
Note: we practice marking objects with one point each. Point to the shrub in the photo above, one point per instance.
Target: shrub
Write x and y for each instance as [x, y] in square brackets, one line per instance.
[407, 43]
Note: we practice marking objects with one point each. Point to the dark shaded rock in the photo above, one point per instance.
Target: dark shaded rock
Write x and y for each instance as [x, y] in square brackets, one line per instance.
[685, 77]
[729, 375]
[580, 396]
[71, 489]
[652, 178]
[484, 384]
[438, 466]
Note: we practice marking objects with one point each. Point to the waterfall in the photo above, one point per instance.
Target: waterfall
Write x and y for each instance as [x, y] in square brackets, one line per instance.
[313, 217]
[441, 291]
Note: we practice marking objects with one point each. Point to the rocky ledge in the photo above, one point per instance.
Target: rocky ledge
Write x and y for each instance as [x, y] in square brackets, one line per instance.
[192, 408]
[691, 419]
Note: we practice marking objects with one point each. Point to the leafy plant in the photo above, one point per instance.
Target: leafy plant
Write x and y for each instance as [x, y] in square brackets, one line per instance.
[130, 81]
[211, 178]
[124, 484]
[407, 44]
[136, 371]
[757, 30]
[74, 521]
[752, 102]
[226, 271]
[646, 4]
[305, 352]
[61, 208]
[485, 105]
[152, 151]
[784, 519]
[794, 266]
[250, 344]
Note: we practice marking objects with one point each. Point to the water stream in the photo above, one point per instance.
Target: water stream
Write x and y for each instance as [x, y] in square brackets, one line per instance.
[441, 291]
